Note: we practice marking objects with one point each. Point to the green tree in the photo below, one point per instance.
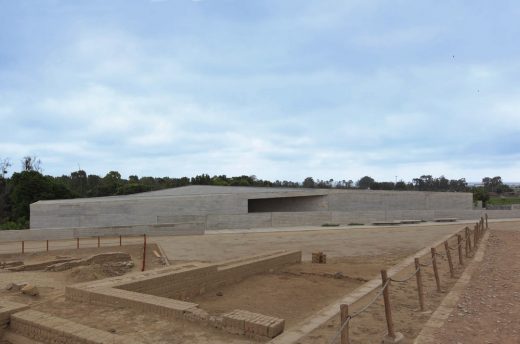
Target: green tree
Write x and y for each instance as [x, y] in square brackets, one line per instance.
[110, 184]
[480, 194]
[365, 183]
[308, 182]
[31, 186]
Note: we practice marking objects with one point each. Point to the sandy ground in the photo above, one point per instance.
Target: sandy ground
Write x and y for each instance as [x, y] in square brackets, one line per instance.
[337, 242]
[488, 310]
[370, 326]
[345, 242]
[294, 293]
[297, 291]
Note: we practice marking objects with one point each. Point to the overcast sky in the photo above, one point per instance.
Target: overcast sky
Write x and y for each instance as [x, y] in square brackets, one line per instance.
[279, 89]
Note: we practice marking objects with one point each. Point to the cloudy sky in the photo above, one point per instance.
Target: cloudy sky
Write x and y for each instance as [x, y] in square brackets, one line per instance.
[280, 89]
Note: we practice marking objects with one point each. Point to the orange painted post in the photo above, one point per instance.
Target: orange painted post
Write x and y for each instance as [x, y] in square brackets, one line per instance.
[23, 247]
[344, 317]
[418, 277]
[388, 310]
[459, 245]
[448, 255]
[98, 242]
[77, 242]
[47, 245]
[144, 253]
[435, 270]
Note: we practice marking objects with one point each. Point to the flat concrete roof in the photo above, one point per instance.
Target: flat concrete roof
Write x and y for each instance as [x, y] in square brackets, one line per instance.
[212, 190]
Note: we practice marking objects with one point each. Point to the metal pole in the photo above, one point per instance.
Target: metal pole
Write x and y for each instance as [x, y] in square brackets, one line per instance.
[448, 255]
[418, 276]
[344, 317]
[435, 270]
[459, 245]
[388, 311]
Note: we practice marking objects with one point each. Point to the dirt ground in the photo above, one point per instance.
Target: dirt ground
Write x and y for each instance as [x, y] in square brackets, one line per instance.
[488, 310]
[52, 284]
[342, 242]
[294, 293]
[306, 287]
[370, 326]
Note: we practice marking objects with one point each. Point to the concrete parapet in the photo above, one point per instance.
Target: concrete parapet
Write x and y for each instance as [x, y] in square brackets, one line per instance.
[163, 229]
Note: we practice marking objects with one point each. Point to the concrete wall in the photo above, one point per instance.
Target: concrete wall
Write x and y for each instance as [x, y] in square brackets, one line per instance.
[356, 200]
[234, 207]
[107, 211]
[287, 204]
[72, 233]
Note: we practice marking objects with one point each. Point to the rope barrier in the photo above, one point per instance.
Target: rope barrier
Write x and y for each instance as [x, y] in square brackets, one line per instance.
[340, 330]
[463, 240]
[426, 265]
[407, 278]
[359, 312]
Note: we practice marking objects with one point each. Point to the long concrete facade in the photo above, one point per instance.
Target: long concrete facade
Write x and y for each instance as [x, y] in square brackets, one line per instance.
[222, 207]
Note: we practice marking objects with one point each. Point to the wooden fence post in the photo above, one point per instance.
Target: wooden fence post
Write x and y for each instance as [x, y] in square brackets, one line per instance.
[120, 240]
[475, 236]
[98, 242]
[47, 245]
[448, 255]
[344, 317]
[144, 253]
[468, 239]
[459, 245]
[466, 235]
[435, 270]
[23, 247]
[77, 242]
[418, 277]
[487, 222]
[388, 310]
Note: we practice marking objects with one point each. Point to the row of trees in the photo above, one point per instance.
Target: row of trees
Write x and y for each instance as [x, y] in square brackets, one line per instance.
[30, 185]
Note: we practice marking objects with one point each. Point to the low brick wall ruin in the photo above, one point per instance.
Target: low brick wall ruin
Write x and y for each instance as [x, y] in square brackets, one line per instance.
[162, 291]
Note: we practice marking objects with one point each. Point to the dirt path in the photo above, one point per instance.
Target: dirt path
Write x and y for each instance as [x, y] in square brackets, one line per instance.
[488, 310]
[346, 242]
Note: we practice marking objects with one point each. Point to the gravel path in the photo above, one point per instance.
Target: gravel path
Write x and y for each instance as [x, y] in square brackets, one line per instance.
[488, 310]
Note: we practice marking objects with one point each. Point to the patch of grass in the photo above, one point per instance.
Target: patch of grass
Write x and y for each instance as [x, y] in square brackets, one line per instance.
[504, 201]
[330, 225]
[10, 225]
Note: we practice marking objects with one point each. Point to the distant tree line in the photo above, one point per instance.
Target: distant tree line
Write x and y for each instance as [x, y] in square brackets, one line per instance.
[30, 185]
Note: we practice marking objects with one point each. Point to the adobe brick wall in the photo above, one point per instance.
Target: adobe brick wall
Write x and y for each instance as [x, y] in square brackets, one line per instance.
[161, 291]
[46, 328]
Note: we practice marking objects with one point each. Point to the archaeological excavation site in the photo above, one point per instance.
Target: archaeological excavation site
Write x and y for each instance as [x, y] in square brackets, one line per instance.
[196, 277]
